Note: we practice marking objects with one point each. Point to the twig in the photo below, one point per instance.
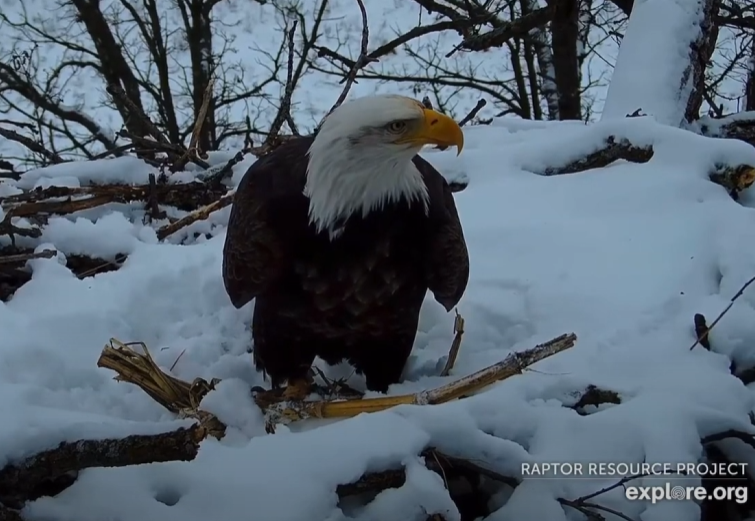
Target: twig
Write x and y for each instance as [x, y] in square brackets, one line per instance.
[184, 196]
[721, 315]
[587, 509]
[583, 504]
[472, 113]
[196, 215]
[136, 112]
[192, 151]
[453, 353]
[459, 25]
[173, 152]
[436, 460]
[84, 266]
[11, 230]
[153, 207]
[284, 110]
[18, 481]
[32, 145]
[623, 481]
[22, 257]
[730, 434]
[333, 389]
[506, 31]
[115, 151]
[217, 177]
[362, 60]
[291, 82]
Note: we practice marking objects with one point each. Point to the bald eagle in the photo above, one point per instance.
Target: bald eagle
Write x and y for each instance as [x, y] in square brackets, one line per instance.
[339, 237]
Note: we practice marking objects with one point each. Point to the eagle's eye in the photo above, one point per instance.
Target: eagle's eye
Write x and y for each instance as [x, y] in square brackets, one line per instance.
[396, 127]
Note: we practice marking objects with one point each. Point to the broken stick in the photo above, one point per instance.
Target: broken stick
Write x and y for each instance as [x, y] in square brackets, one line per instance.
[175, 395]
[179, 396]
[197, 215]
[515, 363]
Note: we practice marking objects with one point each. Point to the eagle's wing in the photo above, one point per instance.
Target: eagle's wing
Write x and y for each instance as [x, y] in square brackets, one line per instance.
[447, 258]
[255, 250]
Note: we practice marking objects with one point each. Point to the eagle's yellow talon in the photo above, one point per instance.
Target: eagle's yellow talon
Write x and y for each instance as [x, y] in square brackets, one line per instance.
[297, 389]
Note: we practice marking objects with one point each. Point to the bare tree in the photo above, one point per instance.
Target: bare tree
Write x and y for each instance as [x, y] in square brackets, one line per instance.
[129, 53]
[181, 76]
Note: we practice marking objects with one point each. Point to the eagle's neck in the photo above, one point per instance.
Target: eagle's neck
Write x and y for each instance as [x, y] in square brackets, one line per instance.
[341, 185]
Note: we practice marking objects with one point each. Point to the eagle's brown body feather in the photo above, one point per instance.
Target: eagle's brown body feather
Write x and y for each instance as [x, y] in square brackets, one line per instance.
[355, 298]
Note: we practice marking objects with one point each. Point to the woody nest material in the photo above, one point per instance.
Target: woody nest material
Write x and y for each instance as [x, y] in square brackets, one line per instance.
[175, 395]
[184, 398]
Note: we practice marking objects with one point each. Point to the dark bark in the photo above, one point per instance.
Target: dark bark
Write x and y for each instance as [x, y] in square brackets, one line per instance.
[113, 66]
[26, 480]
[198, 27]
[701, 52]
[750, 85]
[565, 33]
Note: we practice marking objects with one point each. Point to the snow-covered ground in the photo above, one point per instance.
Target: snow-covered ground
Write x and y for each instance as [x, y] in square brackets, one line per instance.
[623, 256]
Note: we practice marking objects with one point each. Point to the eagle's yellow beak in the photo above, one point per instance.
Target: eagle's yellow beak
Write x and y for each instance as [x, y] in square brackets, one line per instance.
[436, 129]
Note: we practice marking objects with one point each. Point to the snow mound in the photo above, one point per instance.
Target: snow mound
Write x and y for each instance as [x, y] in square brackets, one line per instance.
[623, 256]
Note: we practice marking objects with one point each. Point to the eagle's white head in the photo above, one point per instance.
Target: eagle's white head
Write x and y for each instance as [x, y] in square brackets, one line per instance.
[361, 159]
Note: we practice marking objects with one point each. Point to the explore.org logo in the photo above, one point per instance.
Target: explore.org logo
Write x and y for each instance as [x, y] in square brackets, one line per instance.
[658, 493]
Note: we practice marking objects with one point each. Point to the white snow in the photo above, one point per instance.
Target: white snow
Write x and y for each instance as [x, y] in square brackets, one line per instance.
[128, 170]
[713, 126]
[654, 52]
[623, 256]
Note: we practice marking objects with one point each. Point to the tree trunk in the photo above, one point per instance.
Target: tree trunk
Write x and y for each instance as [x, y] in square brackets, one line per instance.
[540, 42]
[651, 74]
[565, 31]
[750, 85]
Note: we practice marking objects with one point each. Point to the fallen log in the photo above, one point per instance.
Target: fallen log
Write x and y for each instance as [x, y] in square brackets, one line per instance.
[25, 480]
[734, 178]
[461, 476]
[741, 126]
[611, 150]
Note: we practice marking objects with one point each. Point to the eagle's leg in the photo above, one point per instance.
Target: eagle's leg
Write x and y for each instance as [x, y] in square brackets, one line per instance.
[299, 388]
